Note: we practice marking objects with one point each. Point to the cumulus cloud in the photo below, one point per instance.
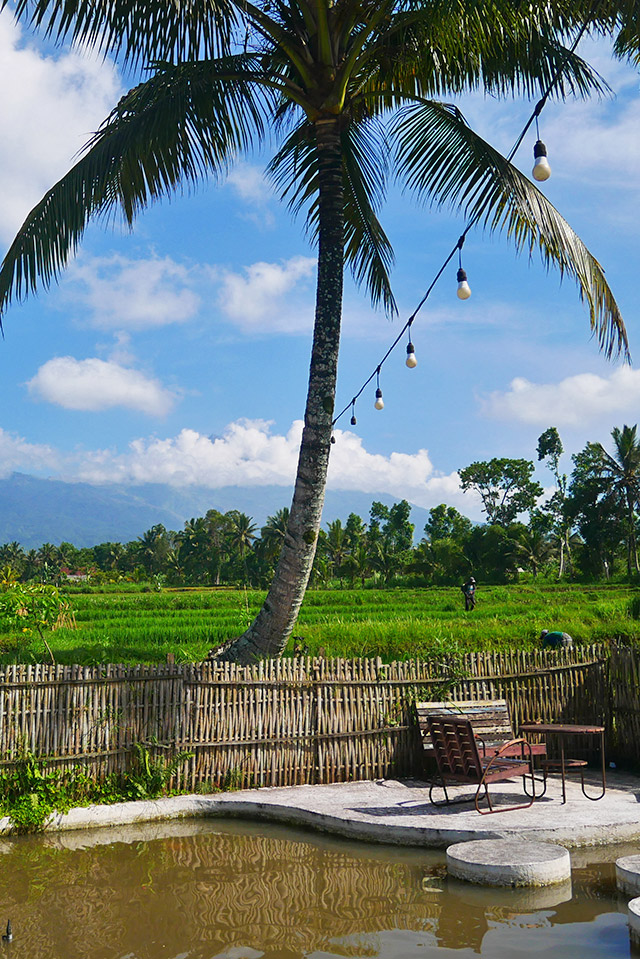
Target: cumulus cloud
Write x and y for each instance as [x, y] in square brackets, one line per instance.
[249, 183]
[48, 111]
[575, 401]
[270, 297]
[94, 384]
[250, 454]
[17, 454]
[118, 293]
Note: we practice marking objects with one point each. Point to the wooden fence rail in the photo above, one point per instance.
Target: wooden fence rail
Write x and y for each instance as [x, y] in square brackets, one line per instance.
[299, 720]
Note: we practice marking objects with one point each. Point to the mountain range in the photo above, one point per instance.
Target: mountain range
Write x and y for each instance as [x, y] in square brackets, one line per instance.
[34, 511]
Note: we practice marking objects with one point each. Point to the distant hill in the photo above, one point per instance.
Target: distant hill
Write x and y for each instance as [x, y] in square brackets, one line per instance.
[35, 511]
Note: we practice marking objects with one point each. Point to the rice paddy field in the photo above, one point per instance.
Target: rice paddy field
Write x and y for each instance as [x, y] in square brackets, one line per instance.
[130, 626]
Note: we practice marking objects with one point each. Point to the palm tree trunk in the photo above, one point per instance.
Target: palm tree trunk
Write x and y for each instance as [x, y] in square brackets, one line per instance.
[268, 634]
[632, 548]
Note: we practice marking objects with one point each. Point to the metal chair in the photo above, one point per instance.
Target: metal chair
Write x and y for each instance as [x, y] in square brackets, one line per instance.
[459, 762]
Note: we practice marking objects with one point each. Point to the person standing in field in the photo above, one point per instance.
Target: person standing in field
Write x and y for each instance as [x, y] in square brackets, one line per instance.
[469, 593]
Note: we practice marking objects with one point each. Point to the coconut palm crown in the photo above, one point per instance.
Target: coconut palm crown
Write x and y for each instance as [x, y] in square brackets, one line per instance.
[349, 90]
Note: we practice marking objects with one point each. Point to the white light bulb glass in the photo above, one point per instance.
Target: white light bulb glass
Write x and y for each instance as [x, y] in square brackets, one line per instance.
[411, 361]
[379, 403]
[541, 169]
[464, 290]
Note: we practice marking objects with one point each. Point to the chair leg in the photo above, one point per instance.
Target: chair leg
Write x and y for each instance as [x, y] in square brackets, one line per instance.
[446, 801]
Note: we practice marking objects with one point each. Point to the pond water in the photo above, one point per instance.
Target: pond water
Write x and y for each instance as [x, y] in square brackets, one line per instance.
[228, 890]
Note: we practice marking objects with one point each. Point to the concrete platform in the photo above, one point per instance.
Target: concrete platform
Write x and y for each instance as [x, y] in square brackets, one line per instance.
[509, 862]
[400, 813]
[633, 919]
[628, 875]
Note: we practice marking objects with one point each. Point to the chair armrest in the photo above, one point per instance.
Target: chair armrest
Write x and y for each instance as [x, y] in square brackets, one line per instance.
[514, 742]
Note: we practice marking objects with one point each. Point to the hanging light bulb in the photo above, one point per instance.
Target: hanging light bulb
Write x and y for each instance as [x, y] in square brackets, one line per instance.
[541, 169]
[353, 412]
[353, 421]
[464, 290]
[333, 439]
[379, 403]
[411, 360]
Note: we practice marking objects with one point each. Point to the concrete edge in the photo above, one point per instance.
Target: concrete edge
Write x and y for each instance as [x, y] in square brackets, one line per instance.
[234, 806]
[633, 920]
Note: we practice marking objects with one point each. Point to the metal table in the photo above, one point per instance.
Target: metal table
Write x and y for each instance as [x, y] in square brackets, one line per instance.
[562, 730]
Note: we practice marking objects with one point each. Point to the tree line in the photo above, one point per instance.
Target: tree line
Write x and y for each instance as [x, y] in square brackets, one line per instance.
[587, 529]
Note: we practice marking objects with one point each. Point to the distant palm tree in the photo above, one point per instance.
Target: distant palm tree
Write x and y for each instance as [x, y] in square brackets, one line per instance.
[621, 472]
[336, 546]
[351, 90]
[273, 533]
[242, 535]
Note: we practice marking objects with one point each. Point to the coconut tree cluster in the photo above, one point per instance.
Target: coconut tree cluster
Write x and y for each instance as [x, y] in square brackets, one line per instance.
[349, 91]
[587, 528]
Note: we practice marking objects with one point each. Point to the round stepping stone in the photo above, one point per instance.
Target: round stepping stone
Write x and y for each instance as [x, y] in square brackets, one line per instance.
[628, 875]
[508, 862]
[633, 918]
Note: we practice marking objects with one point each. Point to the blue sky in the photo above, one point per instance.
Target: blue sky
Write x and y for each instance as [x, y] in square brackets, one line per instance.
[179, 352]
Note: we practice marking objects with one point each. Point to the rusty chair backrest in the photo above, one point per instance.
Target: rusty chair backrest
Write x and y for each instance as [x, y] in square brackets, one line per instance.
[455, 748]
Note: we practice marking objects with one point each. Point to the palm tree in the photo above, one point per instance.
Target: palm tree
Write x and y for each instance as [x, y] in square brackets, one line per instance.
[352, 89]
[273, 533]
[336, 547]
[621, 473]
[242, 534]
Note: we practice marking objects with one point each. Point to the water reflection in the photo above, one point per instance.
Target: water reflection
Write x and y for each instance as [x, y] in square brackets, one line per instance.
[232, 891]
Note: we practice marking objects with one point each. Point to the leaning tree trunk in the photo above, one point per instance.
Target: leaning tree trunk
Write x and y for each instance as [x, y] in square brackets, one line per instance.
[268, 634]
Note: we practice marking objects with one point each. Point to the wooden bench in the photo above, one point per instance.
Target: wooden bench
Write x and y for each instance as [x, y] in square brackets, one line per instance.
[489, 718]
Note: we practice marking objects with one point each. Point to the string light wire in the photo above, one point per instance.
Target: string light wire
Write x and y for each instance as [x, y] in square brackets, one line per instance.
[471, 223]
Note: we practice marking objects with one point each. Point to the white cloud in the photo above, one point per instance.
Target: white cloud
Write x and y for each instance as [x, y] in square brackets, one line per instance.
[17, 454]
[270, 297]
[48, 110]
[94, 384]
[118, 293]
[575, 401]
[249, 454]
[249, 183]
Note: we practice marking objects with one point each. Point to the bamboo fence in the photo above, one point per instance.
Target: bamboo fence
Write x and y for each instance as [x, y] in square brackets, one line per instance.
[304, 720]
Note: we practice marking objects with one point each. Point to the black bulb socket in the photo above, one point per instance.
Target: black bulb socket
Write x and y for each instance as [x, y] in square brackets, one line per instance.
[539, 150]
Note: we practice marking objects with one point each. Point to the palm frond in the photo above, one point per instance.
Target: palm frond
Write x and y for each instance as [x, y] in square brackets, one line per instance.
[441, 159]
[294, 169]
[182, 124]
[137, 30]
[433, 51]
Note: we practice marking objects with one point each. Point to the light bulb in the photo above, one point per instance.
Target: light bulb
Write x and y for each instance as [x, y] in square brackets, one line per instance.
[411, 360]
[464, 290]
[379, 403]
[541, 169]
[353, 420]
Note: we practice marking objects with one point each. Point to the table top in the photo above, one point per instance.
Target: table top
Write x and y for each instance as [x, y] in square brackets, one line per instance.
[562, 728]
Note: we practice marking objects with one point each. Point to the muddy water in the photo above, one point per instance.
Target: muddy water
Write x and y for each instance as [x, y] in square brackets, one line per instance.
[233, 891]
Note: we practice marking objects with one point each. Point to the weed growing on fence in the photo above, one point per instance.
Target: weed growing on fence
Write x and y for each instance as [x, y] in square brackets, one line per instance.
[31, 793]
[150, 775]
